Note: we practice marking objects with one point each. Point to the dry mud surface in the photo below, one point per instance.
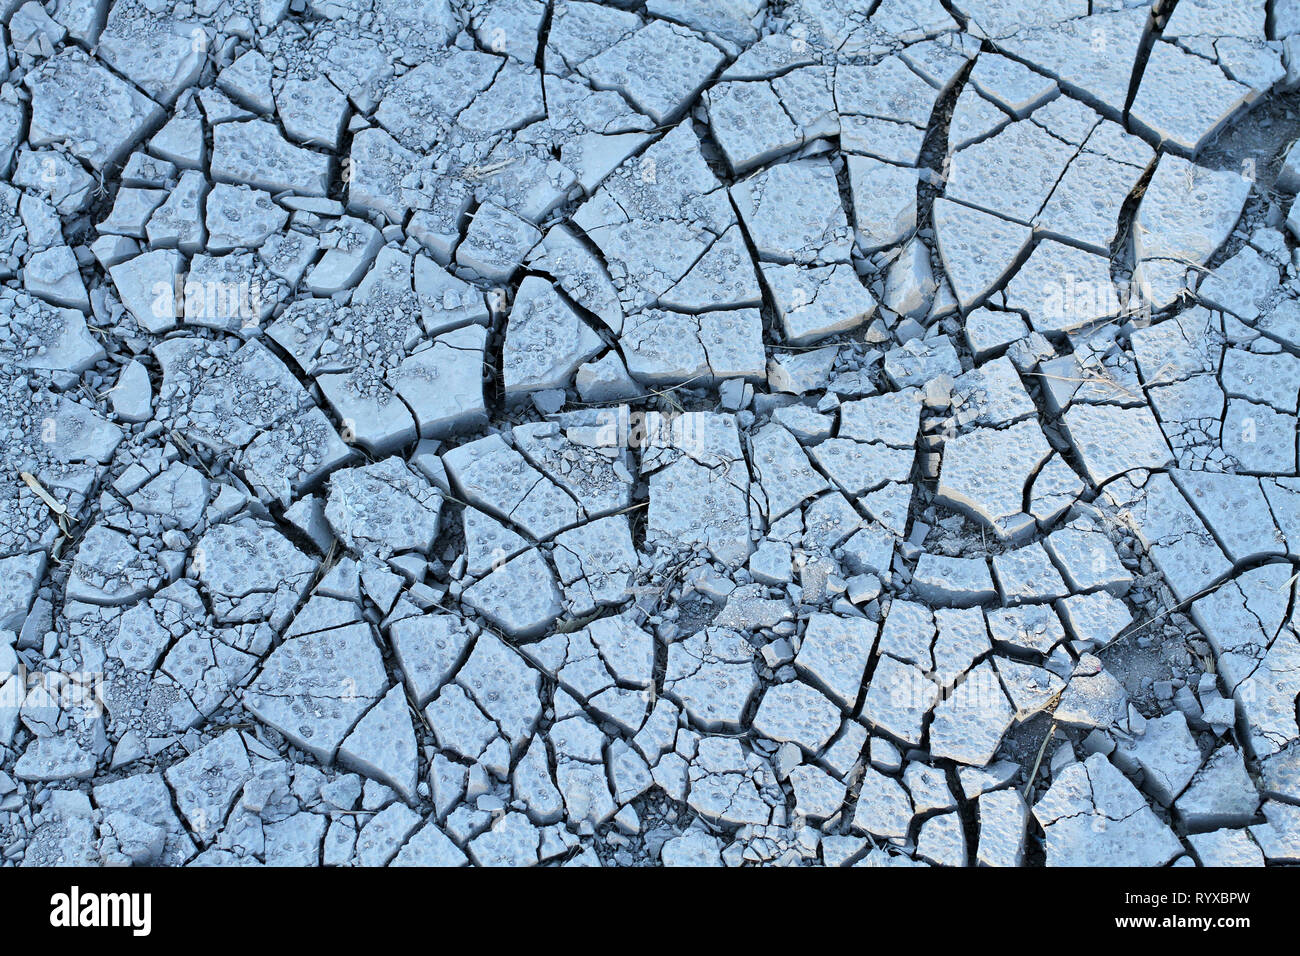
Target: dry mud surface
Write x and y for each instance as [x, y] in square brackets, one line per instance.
[697, 432]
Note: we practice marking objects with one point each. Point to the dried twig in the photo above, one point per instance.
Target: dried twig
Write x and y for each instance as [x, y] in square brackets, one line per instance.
[1033, 775]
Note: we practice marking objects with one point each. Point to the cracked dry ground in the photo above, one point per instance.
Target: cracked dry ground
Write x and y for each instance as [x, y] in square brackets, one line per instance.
[697, 432]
